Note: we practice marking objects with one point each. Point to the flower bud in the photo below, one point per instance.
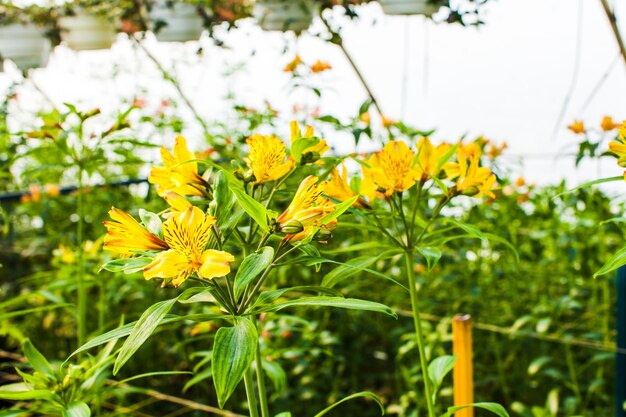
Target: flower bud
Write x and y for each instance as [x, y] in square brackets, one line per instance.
[323, 235]
[309, 158]
[292, 227]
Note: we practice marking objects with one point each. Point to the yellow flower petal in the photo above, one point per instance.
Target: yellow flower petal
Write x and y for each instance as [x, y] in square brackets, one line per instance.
[215, 263]
[125, 235]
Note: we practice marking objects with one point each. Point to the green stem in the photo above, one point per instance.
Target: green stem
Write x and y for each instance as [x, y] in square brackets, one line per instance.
[419, 337]
[248, 381]
[81, 288]
[260, 379]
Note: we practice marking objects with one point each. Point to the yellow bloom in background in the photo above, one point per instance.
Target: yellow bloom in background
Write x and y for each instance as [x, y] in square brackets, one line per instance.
[471, 179]
[429, 158]
[621, 133]
[266, 159]
[320, 148]
[339, 189]
[390, 170]
[608, 124]
[125, 235]
[65, 254]
[187, 234]
[53, 190]
[365, 117]
[293, 65]
[178, 174]
[577, 127]
[320, 66]
[307, 209]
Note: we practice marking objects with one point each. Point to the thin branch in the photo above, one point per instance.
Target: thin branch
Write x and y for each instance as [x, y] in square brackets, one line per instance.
[175, 83]
[337, 40]
[613, 21]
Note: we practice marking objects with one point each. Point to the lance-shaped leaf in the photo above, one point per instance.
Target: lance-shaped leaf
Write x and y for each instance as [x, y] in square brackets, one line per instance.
[254, 209]
[142, 330]
[497, 409]
[338, 302]
[363, 394]
[233, 351]
[251, 267]
[36, 359]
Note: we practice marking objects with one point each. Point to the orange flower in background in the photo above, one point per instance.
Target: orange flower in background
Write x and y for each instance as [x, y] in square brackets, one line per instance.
[180, 173]
[390, 170]
[125, 235]
[187, 234]
[320, 66]
[365, 118]
[266, 160]
[52, 190]
[429, 158]
[339, 189]
[494, 151]
[578, 127]
[608, 124]
[387, 122]
[293, 65]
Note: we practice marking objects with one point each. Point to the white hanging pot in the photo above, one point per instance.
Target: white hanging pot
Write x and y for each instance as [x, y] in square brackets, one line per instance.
[285, 15]
[409, 7]
[25, 45]
[84, 32]
[178, 23]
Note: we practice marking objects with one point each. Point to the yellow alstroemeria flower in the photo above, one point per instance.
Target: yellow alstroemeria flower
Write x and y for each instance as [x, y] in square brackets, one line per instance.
[187, 234]
[125, 235]
[339, 189]
[577, 126]
[608, 124]
[178, 174]
[307, 209]
[471, 179]
[267, 158]
[320, 66]
[429, 157]
[390, 170]
[320, 148]
[177, 203]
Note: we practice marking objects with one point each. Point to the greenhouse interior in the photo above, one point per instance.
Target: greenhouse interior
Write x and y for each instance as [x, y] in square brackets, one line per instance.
[307, 208]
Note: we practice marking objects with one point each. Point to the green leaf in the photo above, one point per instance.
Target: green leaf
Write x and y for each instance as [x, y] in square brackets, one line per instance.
[497, 409]
[223, 199]
[617, 260]
[339, 210]
[36, 359]
[152, 222]
[431, 254]
[149, 374]
[77, 409]
[251, 267]
[590, 183]
[233, 351]
[254, 209]
[438, 368]
[22, 392]
[338, 302]
[13, 413]
[268, 297]
[363, 394]
[353, 266]
[144, 327]
[126, 265]
[276, 374]
[299, 145]
[313, 260]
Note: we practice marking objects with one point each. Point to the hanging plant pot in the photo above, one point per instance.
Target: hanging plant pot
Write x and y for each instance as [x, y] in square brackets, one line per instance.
[177, 22]
[25, 45]
[285, 15]
[84, 32]
[410, 7]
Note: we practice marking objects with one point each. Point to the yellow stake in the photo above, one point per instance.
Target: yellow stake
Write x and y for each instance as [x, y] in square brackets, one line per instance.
[463, 373]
